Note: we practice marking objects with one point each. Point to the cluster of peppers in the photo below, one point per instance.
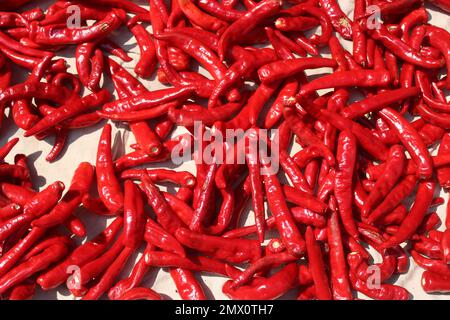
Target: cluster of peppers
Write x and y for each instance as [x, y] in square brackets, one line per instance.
[347, 188]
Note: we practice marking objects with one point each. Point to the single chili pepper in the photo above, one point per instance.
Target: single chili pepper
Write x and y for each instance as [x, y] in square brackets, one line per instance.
[265, 288]
[81, 255]
[136, 276]
[378, 101]
[283, 69]
[340, 286]
[197, 50]
[111, 47]
[182, 178]
[284, 220]
[165, 215]
[22, 114]
[147, 61]
[108, 186]
[56, 35]
[410, 139]
[199, 263]
[341, 23]
[134, 216]
[246, 24]
[361, 78]
[304, 200]
[435, 283]
[346, 157]
[383, 292]
[141, 294]
[187, 285]
[147, 100]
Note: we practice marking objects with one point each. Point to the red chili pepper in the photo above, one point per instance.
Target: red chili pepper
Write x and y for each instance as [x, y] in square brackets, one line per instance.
[283, 218]
[81, 182]
[346, 157]
[435, 283]
[393, 170]
[33, 265]
[341, 23]
[55, 35]
[264, 288]
[187, 285]
[107, 183]
[415, 216]
[81, 255]
[247, 23]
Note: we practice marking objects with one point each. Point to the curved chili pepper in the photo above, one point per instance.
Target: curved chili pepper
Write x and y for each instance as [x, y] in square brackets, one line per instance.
[55, 35]
[68, 110]
[82, 254]
[108, 186]
[135, 278]
[341, 23]
[81, 182]
[401, 49]
[264, 288]
[187, 286]
[165, 215]
[33, 265]
[412, 142]
[393, 170]
[141, 294]
[147, 61]
[247, 23]
[283, 218]
[346, 157]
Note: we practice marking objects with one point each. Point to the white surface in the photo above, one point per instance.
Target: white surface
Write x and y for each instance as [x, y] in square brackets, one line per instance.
[82, 147]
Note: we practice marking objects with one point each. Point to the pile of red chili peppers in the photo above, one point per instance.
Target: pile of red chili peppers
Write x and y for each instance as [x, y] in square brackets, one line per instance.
[365, 176]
